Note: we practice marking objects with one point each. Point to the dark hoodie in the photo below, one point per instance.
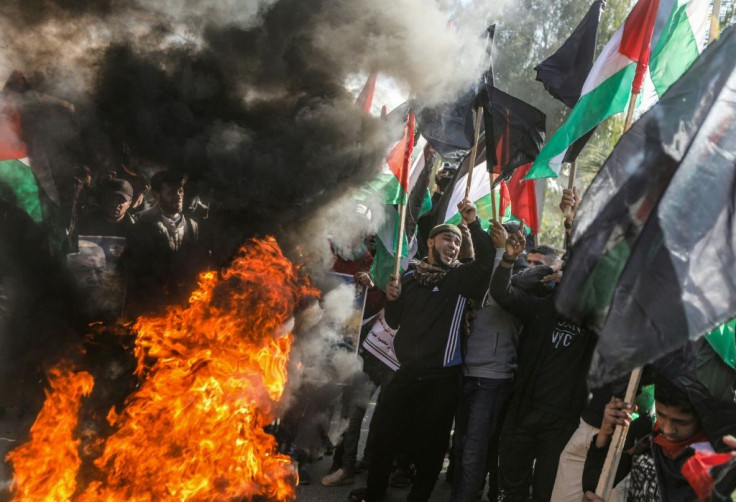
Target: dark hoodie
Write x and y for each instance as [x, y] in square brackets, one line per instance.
[429, 319]
[554, 353]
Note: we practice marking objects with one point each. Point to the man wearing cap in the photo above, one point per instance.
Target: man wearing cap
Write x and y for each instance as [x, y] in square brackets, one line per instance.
[111, 217]
[427, 309]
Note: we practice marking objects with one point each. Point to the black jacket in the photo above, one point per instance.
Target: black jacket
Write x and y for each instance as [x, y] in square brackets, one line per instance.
[554, 354]
[671, 484]
[429, 319]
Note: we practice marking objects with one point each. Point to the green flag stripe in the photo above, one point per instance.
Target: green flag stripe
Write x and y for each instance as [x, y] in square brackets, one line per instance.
[723, 341]
[387, 187]
[675, 50]
[598, 291]
[610, 97]
[382, 266]
[484, 211]
[18, 187]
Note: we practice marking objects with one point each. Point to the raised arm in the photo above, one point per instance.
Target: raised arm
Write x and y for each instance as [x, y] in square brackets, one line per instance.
[512, 298]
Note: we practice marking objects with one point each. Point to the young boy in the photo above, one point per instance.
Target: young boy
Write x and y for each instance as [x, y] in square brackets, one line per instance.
[654, 453]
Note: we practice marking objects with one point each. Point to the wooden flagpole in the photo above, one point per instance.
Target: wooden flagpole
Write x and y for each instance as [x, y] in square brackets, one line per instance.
[400, 240]
[608, 474]
[473, 150]
[714, 20]
[570, 185]
[605, 482]
[630, 111]
[404, 182]
[573, 171]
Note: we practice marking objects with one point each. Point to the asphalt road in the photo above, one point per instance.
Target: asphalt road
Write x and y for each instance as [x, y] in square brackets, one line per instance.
[315, 492]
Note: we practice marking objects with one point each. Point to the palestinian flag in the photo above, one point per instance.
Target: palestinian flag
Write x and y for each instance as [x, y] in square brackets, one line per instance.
[480, 194]
[677, 29]
[654, 244]
[404, 180]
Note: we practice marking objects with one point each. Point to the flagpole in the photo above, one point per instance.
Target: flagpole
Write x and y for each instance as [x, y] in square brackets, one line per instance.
[473, 150]
[494, 212]
[605, 483]
[714, 18]
[399, 240]
[404, 184]
[570, 185]
[630, 111]
[608, 474]
[573, 171]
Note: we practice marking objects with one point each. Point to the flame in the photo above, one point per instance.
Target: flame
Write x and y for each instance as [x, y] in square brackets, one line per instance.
[211, 375]
[53, 449]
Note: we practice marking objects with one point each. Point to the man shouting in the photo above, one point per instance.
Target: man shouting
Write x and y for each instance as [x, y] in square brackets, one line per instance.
[426, 307]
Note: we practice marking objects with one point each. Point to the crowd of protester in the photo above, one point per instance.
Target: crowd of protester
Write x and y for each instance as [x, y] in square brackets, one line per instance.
[489, 376]
[471, 358]
[158, 250]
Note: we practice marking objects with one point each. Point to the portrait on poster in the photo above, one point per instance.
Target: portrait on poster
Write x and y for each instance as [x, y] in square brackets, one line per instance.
[97, 274]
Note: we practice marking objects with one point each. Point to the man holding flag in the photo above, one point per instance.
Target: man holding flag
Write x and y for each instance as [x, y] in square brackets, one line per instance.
[427, 307]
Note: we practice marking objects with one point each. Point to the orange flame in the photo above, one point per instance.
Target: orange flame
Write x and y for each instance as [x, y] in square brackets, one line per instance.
[211, 375]
[53, 449]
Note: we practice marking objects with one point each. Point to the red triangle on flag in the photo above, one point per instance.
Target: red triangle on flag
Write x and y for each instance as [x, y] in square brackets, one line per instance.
[637, 37]
[400, 156]
[523, 195]
[638, 30]
[11, 146]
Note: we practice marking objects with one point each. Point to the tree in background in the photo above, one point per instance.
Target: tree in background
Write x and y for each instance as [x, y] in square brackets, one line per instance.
[526, 33]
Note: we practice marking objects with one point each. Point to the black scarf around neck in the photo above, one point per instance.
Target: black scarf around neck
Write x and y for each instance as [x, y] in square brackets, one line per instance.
[429, 275]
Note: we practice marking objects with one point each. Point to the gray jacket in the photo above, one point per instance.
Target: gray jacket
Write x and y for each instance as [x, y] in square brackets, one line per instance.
[494, 337]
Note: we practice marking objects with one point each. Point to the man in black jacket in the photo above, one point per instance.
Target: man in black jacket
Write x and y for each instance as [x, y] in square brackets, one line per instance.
[550, 389]
[427, 309]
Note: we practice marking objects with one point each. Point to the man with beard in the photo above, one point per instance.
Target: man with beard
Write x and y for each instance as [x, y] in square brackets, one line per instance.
[427, 309]
[164, 253]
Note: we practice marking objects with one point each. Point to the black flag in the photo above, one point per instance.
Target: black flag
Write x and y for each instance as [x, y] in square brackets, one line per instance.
[564, 72]
[514, 132]
[449, 127]
[653, 260]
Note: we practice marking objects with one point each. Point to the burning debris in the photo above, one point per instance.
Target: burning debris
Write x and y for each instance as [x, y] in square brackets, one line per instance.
[210, 377]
